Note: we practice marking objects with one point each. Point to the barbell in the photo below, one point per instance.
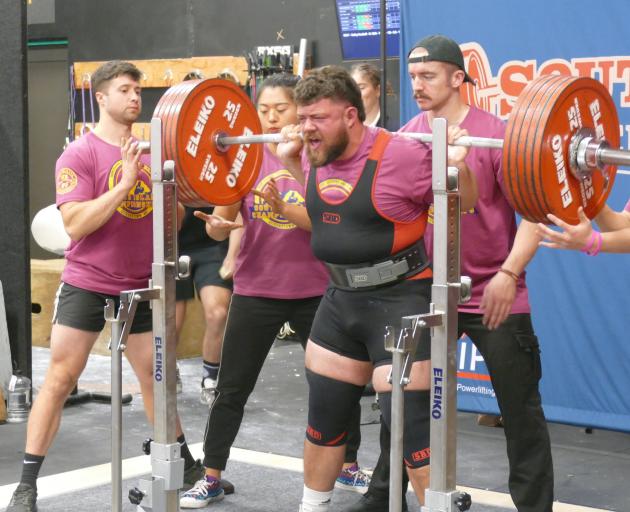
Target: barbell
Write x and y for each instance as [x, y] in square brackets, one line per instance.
[558, 151]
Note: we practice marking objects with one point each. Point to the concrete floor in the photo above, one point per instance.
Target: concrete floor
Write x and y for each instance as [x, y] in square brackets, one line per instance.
[591, 470]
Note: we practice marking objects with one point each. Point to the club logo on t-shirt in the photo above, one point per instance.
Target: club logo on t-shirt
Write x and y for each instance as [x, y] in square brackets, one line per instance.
[139, 201]
[66, 181]
[262, 211]
[335, 189]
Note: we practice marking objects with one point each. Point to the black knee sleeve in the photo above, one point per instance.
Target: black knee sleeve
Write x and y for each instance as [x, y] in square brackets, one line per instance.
[330, 406]
[416, 442]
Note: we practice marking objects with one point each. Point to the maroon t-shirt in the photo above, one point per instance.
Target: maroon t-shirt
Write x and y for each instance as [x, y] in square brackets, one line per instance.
[275, 259]
[488, 230]
[118, 255]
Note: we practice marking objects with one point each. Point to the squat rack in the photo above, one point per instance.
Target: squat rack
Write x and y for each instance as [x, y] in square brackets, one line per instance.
[449, 289]
[160, 493]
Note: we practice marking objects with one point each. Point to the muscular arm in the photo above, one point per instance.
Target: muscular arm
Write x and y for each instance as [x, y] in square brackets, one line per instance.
[500, 292]
[290, 152]
[81, 218]
[468, 191]
[524, 248]
[467, 182]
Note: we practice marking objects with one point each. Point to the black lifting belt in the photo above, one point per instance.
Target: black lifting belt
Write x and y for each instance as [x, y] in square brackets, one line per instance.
[407, 263]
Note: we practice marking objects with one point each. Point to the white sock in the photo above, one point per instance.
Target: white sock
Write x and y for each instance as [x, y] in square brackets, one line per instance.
[315, 501]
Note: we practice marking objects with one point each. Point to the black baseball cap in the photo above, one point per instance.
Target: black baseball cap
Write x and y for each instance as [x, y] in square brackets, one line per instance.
[439, 48]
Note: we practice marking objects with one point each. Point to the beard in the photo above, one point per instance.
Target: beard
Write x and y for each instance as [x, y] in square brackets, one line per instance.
[126, 117]
[326, 154]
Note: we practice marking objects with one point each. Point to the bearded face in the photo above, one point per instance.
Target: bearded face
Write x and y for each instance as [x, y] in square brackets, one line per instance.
[326, 134]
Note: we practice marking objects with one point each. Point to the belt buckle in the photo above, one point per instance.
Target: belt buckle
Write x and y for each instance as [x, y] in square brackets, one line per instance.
[381, 273]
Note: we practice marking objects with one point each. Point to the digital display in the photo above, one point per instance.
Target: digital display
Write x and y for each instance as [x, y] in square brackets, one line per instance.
[360, 28]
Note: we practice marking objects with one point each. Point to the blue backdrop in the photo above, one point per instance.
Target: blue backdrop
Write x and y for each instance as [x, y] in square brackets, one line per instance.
[579, 304]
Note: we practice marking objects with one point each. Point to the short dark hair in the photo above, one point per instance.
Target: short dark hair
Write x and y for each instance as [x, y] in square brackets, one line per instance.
[111, 70]
[283, 80]
[329, 82]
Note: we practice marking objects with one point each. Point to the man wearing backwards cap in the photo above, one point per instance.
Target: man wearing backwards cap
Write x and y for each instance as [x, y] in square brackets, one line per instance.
[494, 254]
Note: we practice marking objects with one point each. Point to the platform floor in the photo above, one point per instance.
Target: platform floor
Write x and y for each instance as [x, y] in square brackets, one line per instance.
[592, 471]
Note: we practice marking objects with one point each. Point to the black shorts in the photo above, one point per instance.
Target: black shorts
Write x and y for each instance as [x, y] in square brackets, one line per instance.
[352, 323]
[204, 270]
[85, 310]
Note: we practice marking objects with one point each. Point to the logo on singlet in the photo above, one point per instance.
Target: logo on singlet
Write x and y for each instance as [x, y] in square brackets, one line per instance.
[66, 181]
[335, 189]
[139, 202]
[262, 211]
[331, 218]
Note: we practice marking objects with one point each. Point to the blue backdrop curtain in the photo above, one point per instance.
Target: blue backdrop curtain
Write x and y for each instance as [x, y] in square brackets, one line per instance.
[580, 304]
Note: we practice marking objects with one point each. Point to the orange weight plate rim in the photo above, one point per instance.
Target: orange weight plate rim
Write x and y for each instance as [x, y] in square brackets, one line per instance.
[544, 103]
[513, 166]
[524, 148]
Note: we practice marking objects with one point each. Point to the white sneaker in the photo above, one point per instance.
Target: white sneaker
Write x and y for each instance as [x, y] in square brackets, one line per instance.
[354, 479]
[208, 389]
[202, 494]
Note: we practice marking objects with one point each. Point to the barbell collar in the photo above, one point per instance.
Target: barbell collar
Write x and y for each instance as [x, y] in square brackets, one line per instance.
[587, 154]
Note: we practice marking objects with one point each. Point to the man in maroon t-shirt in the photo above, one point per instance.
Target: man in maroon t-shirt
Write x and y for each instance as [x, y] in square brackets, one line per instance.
[105, 198]
[494, 254]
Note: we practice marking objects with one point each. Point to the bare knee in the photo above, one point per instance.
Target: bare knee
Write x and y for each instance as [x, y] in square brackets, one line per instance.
[419, 378]
[215, 314]
[60, 381]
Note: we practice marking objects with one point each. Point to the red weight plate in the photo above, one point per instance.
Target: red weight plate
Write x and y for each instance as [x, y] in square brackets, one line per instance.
[540, 105]
[186, 193]
[514, 151]
[163, 110]
[177, 94]
[218, 177]
[583, 103]
[518, 147]
[510, 168]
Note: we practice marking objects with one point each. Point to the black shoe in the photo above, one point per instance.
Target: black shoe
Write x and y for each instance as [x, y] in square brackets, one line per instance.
[193, 474]
[370, 503]
[24, 499]
[228, 487]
